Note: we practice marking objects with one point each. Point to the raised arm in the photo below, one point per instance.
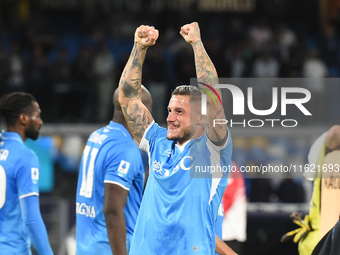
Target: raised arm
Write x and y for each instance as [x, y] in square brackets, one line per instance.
[136, 114]
[206, 76]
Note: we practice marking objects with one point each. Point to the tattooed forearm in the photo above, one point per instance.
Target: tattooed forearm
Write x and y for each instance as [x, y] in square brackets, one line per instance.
[206, 74]
[206, 126]
[205, 69]
[131, 79]
[128, 90]
[137, 119]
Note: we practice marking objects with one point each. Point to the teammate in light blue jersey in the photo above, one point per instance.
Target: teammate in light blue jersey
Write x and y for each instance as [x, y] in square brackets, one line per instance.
[20, 218]
[110, 186]
[178, 213]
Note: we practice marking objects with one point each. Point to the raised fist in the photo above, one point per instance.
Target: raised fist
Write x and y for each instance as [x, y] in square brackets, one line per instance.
[146, 36]
[191, 32]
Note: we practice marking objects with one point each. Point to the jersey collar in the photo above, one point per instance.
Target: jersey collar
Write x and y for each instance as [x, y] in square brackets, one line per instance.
[181, 147]
[11, 136]
[192, 141]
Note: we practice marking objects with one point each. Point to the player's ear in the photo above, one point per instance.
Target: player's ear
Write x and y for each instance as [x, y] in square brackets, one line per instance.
[200, 120]
[23, 119]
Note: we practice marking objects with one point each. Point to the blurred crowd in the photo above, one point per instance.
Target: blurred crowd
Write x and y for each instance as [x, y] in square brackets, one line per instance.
[72, 62]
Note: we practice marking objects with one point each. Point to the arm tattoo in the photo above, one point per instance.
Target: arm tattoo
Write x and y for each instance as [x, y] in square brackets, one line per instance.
[132, 77]
[205, 69]
[137, 119]
[206, 73]
[128, 90]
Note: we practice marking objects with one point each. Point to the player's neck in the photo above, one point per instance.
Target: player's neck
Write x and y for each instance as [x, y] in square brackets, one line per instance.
[120, 119]
[17, 130]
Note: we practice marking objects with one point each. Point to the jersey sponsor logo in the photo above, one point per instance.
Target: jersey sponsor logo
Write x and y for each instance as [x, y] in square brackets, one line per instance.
[3, 154]
[183, 166]
[35, 175]
[86, 210]
[123, 167]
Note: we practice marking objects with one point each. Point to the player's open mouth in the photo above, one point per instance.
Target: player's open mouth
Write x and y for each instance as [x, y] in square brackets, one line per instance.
[172, 127]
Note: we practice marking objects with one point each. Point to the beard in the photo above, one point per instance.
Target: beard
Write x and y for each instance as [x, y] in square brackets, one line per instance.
[181, 137]
[32, 133]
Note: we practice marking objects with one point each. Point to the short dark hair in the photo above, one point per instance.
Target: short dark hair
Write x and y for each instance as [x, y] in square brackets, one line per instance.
[187, 90]
[14, 104]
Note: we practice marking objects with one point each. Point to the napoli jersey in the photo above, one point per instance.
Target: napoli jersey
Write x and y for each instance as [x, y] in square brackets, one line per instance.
[110, 156]
[19, 176]
[178, 213]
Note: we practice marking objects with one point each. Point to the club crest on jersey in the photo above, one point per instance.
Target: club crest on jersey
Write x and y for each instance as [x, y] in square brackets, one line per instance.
[123, 167]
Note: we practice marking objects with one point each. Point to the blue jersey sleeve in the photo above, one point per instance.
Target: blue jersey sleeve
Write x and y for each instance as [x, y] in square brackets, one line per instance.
[28, 174]
[123, 165]
[150, 136]
[35, 225]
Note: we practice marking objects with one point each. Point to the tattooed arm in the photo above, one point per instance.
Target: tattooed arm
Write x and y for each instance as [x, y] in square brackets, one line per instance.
[136, 114]
[206, 75]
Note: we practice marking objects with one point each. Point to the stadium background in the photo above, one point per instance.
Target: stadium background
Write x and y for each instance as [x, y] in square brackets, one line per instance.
[70, 54]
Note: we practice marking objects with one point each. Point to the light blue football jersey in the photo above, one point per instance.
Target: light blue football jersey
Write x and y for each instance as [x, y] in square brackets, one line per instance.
[19, 176]
[178, 213]
[110, 156]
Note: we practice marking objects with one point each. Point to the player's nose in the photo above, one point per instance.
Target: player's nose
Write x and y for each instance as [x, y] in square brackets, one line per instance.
[171, 117]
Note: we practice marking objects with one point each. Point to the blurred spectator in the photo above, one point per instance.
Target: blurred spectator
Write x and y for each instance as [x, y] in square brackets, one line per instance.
[103, 71]
[184, 66]
[69, 152]
[155, 77]
[4, 69]
[266, 66]
[36, 76]
[286, 40]
[86, 98]
[238, 64]
[16, 80]
[261, 190]
[61, 83]
[216, 54]
[293, 67]
[291, 191]
[237, 32]
[315, 69]
[260, 35]
[329, 46]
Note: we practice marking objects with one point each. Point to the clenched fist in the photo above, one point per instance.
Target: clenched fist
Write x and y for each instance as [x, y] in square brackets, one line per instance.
[146, 36]
[191, 32]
